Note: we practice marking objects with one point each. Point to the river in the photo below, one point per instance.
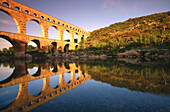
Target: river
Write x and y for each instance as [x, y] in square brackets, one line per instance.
[91, 86]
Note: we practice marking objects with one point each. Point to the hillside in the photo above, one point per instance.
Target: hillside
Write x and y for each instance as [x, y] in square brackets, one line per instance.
[146, 31]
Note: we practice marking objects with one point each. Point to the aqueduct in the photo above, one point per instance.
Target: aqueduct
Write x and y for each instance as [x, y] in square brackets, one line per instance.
[24, 101]
[22, 14]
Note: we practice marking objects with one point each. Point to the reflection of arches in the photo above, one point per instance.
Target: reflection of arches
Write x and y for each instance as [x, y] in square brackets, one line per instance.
[67, 66]
[33, 24]
[53, 33]
[35, 71]
[67, 77]
[66, 48]
[54, 69]
[76, 74]
[66, 35]
[5, 73]
[9, 23]
[8, 95]
[54, 81]
[35, 87]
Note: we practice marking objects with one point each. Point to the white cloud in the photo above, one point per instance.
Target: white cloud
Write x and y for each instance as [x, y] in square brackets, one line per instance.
[6, 22]
[110, 3]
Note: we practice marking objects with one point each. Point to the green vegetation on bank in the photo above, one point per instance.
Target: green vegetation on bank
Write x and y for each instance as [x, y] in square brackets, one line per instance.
[145, 77]
[142, 32]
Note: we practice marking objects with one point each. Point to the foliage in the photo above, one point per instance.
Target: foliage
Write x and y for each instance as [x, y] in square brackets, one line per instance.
[146, 31]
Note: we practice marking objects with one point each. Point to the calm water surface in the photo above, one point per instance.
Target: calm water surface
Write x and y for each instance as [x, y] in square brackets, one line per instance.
[109, 86]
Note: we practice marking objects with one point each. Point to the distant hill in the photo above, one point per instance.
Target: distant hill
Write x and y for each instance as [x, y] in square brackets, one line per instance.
[151, 30]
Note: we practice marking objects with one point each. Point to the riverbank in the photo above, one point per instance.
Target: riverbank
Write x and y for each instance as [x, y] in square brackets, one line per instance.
[145, 54]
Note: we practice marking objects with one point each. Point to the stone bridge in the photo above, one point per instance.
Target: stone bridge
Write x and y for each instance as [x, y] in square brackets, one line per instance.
[24, 101]
[22, 14]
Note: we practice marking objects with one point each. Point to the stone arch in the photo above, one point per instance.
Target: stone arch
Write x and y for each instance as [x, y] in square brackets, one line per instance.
[59, 49]
[76, 47]
[52, 34]
[5, 4]
[75, 37]
[35, 41]
[52, 47]
[82, 37]
[66, 35]
[66, 48]
[37, 26]
[8, 39]
[13, 18]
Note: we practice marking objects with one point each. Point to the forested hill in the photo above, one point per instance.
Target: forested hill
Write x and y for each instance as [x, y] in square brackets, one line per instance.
[151, 30]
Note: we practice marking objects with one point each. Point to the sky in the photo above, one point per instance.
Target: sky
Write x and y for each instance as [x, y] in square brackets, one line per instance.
[86, 14]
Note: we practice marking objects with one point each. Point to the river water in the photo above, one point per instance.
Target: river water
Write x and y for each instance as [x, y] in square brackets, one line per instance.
[91, 86]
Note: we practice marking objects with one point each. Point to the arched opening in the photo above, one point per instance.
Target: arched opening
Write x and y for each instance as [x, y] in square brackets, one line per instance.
[66, 36]
[76, 74]
[16, 8]
[82, 38]
[35, 87]
[53, 33]
[67, 66]
[54, 80]
[53, 68]
[59, 49]
[5, 4]
[7, 23]
[33, 46]
[5, 72]
[8, 95]
[6, 46]
[52, 47]
[76, 47]
[26, 12]
[66, 48]
[33, 69]
[76, 38]
[33, 28]
[67, 77]
[83, 74]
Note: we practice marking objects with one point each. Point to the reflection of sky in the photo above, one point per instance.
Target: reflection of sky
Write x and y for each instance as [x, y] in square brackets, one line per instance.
[54, 80]
[67, 77]
[5, 72]
[87, 14]
[8, 94]
[35, 87]
[94, 96]
[33, 70]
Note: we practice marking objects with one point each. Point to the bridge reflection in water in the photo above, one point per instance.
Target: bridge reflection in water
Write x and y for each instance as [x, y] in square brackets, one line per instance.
[56, 78]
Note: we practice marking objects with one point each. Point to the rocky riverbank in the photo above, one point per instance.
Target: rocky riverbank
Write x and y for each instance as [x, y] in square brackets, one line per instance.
[146, 54]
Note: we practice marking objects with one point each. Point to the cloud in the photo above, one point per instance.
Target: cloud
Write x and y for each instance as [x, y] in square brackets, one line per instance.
[6, 22]
[110, 3]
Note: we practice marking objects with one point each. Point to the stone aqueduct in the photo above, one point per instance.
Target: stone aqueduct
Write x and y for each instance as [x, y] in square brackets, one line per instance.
[21, 14]
[25, 101]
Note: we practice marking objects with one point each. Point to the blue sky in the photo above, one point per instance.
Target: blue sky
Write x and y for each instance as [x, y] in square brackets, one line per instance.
[89, 14]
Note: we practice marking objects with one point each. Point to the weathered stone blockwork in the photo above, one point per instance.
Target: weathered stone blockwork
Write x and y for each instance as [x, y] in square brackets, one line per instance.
[21, 14]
